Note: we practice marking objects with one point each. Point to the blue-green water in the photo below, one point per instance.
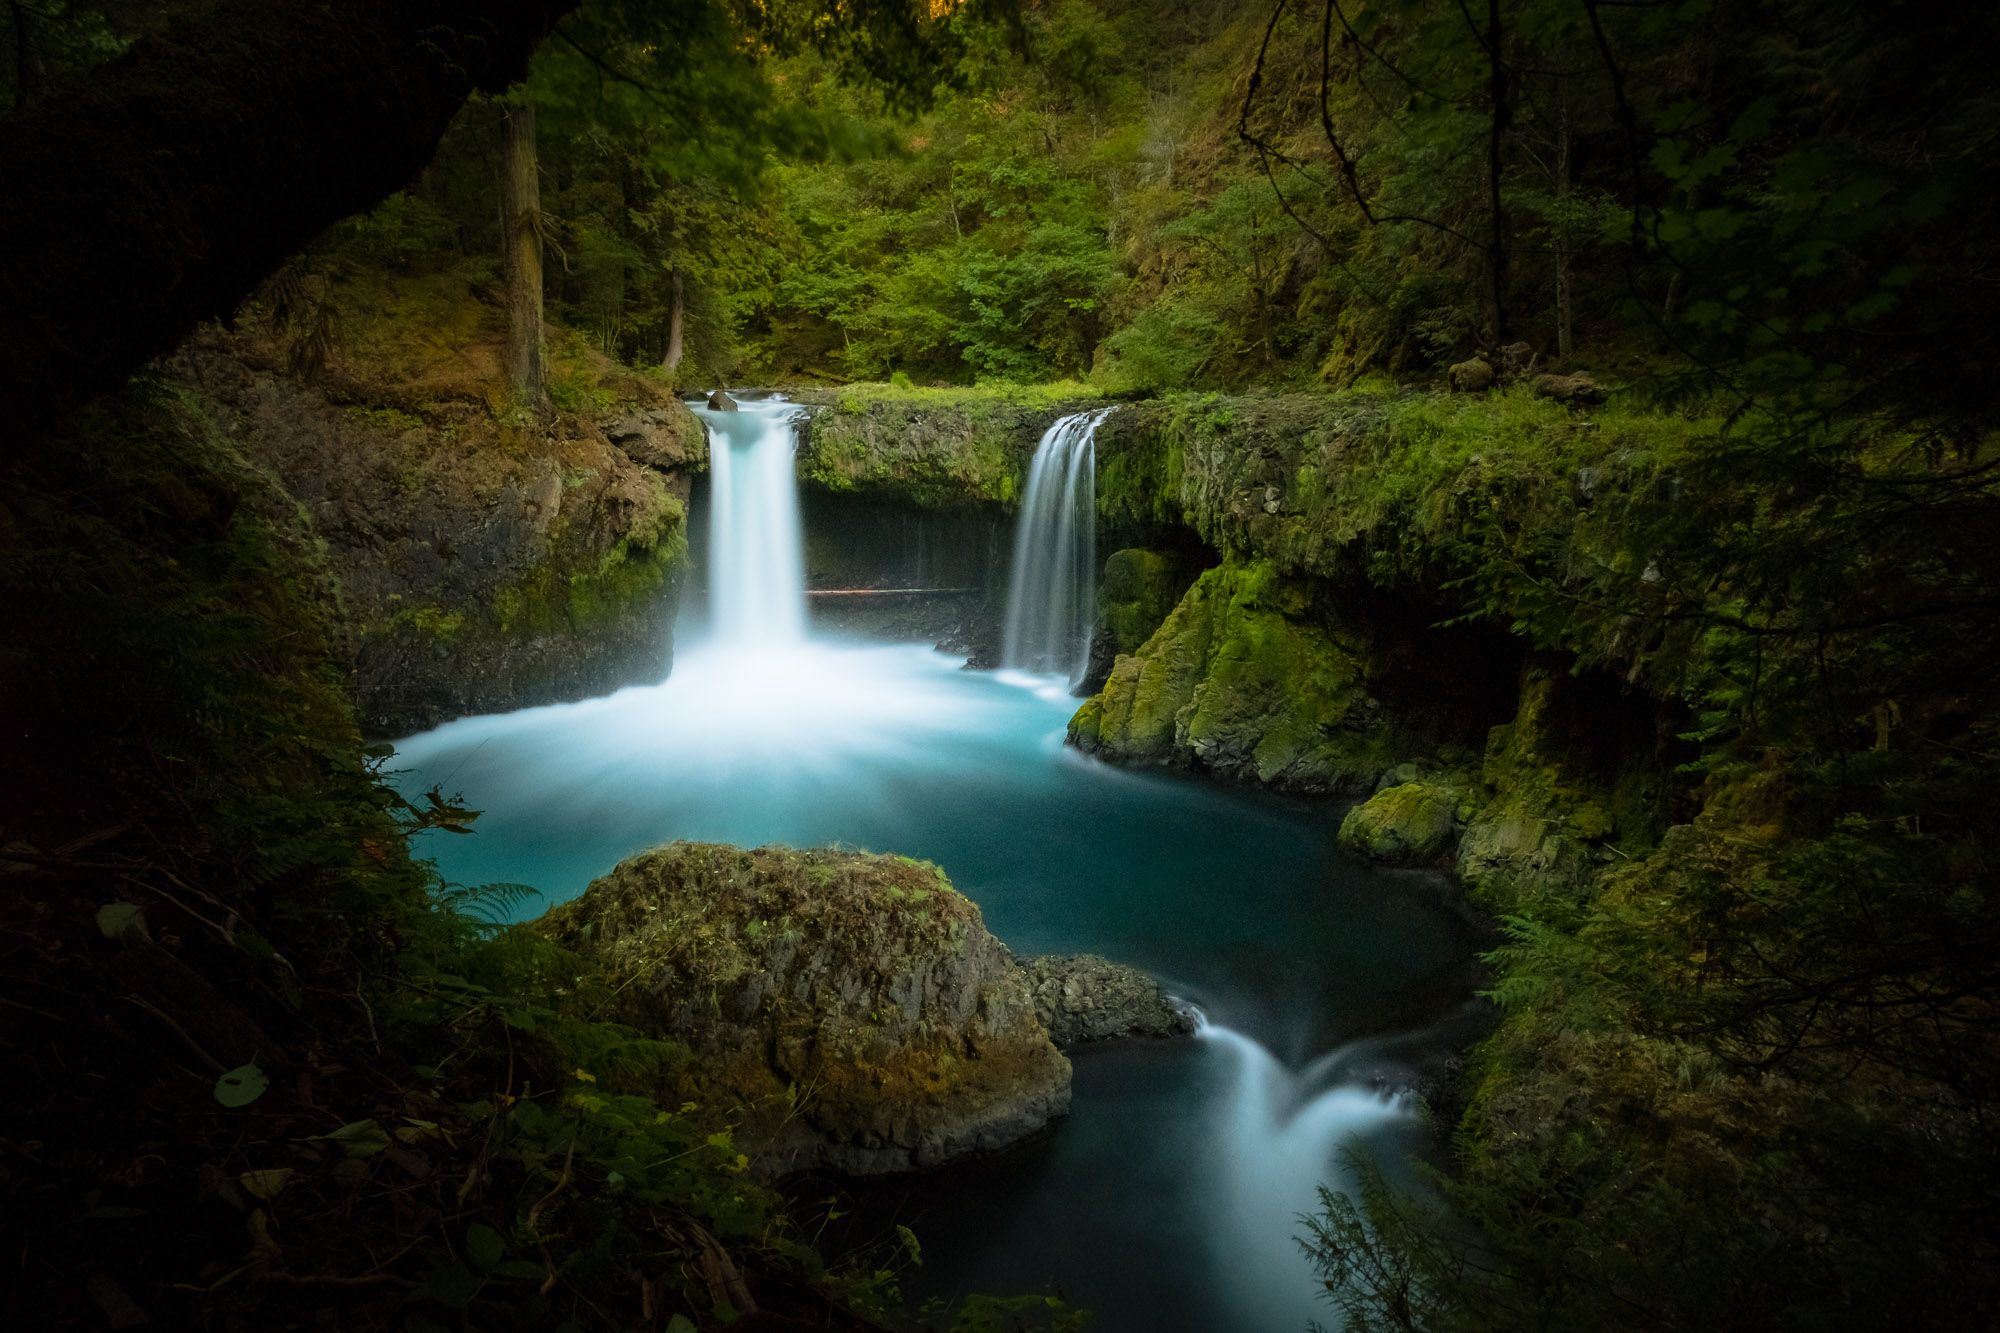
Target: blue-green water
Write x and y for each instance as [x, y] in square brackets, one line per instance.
[1168, 1197]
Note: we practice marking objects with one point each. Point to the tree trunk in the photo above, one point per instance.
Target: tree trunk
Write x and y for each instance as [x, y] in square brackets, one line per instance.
[161, 190]
[28, 78]
[521, 250]
[1496, 251]
[1563, 226]
[676, 316]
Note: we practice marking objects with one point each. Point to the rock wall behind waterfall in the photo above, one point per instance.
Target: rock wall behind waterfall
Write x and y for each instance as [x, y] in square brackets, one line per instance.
[1341, 644]
[484, 561]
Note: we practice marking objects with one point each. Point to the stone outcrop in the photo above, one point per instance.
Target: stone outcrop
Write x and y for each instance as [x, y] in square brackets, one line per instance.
[853, 1006]
[1412, 823]
[720, 401]
[1246, 680]
[1083, 998]
[941, 452]
[1579, 388]
[480, 563]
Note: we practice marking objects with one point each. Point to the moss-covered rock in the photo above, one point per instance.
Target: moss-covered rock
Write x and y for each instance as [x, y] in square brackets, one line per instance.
[1245, 679]
[928, 450]
[1577, 780]
[1413, 823]
[1137, 592]
[854, 1006]
[481, 565]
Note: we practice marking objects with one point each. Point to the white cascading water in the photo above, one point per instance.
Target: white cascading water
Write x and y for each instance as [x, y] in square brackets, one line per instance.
[1052, 599]
[756, 572]
[1280, 1140]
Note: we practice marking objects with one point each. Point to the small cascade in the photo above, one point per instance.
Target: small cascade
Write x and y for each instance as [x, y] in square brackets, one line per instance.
[1281, 1135]
[1052, 600]
[756, 570]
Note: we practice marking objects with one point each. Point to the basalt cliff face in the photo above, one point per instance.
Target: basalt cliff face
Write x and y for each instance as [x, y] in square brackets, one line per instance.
[484, 557]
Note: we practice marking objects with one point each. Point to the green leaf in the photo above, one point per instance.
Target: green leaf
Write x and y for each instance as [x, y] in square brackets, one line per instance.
[519, 1268]
[241, 1086]
[362, 1138]
[679, 1324]
[483, 1246]
[115, 919]
[266, 1184]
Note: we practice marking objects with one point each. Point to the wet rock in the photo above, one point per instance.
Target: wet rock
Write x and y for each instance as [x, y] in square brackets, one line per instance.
[467, 573]
[1474, 376]
[851, 1009]
[1574, 389]
[662, 437]
[721, 402]
[1411, 824]
[1246, 679]
[1083, 997]
[1137, 592]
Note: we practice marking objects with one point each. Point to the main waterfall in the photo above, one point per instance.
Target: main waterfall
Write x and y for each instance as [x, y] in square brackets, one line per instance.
[757, 579]
[1052, 599]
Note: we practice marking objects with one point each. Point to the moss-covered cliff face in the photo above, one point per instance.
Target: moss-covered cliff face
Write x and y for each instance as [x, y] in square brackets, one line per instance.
[1247, 678]
[1728, 804]
[853, 1005]
[485, 560]
[1311, 657]
[927, 448]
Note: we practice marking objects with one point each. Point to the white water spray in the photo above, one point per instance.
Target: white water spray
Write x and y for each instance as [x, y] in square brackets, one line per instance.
[1052, 599]
[756, 571]
[1280, 1139]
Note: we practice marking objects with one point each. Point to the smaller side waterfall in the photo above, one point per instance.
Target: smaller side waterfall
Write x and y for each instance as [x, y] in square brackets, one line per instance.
[1052, 599]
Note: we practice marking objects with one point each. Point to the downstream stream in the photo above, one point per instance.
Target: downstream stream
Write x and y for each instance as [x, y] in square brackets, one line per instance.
[1168, 1200]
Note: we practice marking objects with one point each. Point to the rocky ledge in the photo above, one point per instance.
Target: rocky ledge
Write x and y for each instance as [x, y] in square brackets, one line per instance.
[853, 1006]
[1083, 997]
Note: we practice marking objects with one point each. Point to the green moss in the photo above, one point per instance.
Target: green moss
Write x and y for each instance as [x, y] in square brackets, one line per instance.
[1414, 822]
[389, 420]
[1137, 592]
[1243, 678]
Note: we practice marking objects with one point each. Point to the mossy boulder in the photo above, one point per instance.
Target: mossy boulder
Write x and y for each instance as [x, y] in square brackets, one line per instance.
[1413, 823]
[1082, 997]
[853, 1006]
[1246, 680]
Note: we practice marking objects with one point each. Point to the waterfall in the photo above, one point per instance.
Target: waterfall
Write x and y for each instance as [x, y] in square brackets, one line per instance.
[756, 570]
[1281, 1134]
[1052, 600]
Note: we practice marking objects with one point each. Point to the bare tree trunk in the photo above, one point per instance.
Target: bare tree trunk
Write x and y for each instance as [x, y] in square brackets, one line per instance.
[676, 317]
[27, 66]
[1563, 221]
[521, 249]
[1496, 253]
